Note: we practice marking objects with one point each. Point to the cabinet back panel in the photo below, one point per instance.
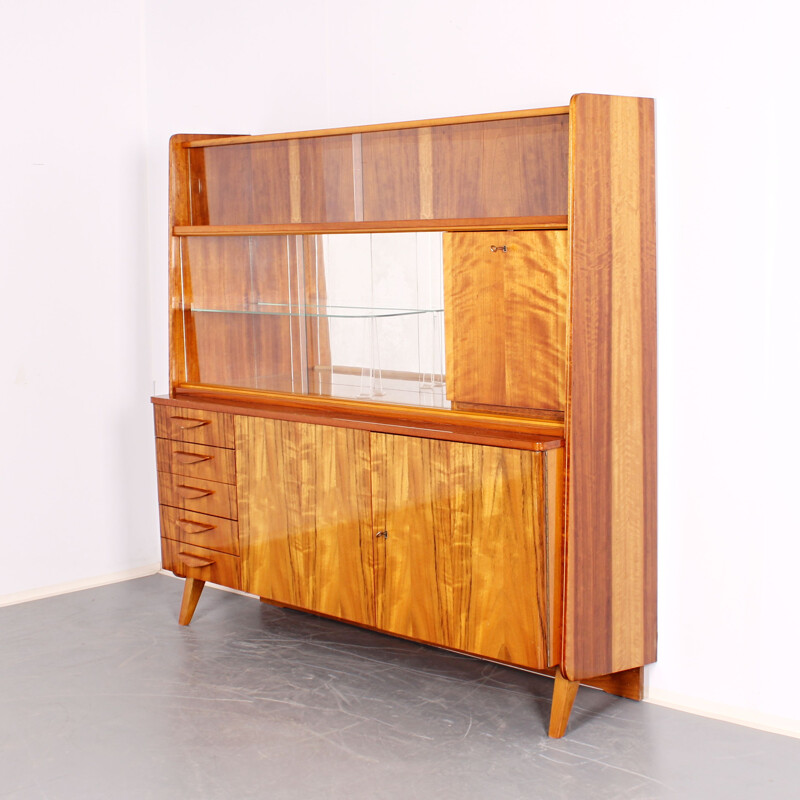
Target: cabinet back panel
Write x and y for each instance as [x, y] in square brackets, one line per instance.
[506, 168]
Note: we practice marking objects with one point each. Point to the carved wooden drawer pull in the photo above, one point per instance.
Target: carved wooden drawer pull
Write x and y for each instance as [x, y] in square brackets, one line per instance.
[189, 560]
[182, 457]
[191, 528]
[193, 492]
[185, 423]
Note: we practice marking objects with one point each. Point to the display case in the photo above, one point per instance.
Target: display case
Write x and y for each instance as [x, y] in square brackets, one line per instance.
[412, 382]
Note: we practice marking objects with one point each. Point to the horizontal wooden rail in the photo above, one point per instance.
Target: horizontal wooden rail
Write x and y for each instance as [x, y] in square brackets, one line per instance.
[394, 126]
[389, 226]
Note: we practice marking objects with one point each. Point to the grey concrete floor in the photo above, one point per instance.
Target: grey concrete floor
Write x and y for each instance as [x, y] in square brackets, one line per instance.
[103, 695]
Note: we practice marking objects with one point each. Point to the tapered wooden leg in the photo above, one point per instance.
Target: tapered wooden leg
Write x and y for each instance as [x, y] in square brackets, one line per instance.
[192, 590]
[564, 692]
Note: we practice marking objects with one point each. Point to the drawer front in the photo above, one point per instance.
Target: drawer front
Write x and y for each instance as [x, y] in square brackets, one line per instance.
[196, 460]
[188, 561]
[201, 530]
[194, 494]
[191, 425]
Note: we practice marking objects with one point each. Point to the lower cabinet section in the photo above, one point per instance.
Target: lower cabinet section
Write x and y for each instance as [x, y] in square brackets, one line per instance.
[437, 541]
[450, 543]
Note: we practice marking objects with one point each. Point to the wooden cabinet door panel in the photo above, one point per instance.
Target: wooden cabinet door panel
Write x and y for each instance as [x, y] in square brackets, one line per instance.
[464, 560]
[305, 517]
[506, 318]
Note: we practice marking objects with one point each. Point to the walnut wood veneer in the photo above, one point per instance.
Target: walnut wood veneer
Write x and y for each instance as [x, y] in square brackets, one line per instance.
[518, 524]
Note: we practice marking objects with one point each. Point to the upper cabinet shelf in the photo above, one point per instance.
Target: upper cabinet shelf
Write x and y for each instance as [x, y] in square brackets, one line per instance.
[553, 222]
[447, 176]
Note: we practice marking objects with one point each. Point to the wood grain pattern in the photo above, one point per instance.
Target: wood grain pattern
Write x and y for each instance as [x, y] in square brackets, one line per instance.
[554, 499]
[391, 175]
[464, 561]
[188, 561]
[538, 222]
[193, 424]
[202, 530]
[180, 213]
[326, 175]
[218, 141]
[305, 529]
[194, 494]
[196, 460]
[192, 589]
[490, 429]
[506, 318]
[564, 692]
[512, 167]
[610, 591]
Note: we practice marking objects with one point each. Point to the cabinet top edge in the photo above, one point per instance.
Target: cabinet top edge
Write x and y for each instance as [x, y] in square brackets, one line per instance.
[218, 141]
[516, 433]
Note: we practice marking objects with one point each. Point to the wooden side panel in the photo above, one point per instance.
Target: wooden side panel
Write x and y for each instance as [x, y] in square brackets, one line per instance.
[506, 318]
[326, 177]
[463, 563]
[611, 415]
[304, 521]
[513, 167]
[180, 213]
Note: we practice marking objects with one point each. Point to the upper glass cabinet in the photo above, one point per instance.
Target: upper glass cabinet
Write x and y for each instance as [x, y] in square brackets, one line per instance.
[341, 315]
[493, 169]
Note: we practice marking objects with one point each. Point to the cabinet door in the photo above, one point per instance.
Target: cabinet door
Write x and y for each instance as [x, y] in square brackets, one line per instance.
[305, 531]
[506, 318]
[463, 563]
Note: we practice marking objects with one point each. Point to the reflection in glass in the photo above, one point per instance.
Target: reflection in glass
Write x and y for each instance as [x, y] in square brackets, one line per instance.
[342, 315]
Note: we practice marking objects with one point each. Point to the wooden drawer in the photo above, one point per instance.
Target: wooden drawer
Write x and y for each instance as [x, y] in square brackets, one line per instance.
[188, 561]
[196, 460]
[201, 530]
[195, 494]
[191, 425]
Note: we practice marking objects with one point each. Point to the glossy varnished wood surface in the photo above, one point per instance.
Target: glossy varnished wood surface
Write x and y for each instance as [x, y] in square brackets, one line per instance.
[494, 430]
[196, 494]
[463, 563]
[200, 563]
[196, 460]
[538, 222]
[510, 167]
[202, 530]
[218, 141]
[186, 423]
[304, 516]
[611, 416]
[506, 318]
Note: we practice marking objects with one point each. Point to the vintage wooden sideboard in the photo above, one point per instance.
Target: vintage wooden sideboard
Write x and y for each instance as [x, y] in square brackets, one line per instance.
[412, 382]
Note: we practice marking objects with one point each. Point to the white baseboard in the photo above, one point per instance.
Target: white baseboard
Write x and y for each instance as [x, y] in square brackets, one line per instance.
[721, 711]
[77, 586]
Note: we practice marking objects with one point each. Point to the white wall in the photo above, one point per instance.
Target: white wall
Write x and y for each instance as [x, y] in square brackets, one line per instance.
[77, 489]
[728, 271]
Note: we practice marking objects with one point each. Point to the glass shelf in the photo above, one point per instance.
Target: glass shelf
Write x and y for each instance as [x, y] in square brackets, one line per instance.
[320, 311]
